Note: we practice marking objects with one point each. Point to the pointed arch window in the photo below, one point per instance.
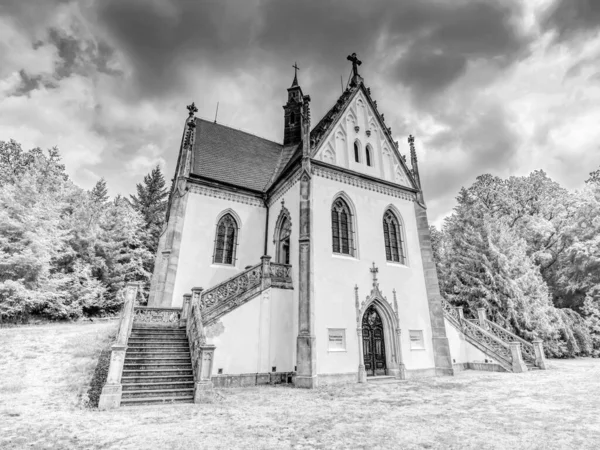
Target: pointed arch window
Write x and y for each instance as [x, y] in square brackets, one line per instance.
[356, 152]
[283, 241]
[368, 155]
[392, 234]
[226, 240]
[341, 228]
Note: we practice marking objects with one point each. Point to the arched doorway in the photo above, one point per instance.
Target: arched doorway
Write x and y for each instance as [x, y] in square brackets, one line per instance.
[283, 241]
[373, 343]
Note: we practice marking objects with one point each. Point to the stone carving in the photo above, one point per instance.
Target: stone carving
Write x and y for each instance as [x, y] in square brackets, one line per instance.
[231, 288]
[281, 272]
[364, 184]
[157, 315]
[451, 312]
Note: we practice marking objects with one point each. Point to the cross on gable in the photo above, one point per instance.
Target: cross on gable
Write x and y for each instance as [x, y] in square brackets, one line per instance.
[192, 109]
[296, 68]
[355, 63]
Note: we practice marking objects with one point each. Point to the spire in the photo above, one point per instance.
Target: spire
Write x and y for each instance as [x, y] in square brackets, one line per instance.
[356, 78]
[413, 160]
[292, 131]
[296, 69]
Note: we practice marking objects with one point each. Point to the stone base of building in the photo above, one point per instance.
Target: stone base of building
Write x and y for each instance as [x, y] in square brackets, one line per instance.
[110, 398]
[252, 379]
[487, 367]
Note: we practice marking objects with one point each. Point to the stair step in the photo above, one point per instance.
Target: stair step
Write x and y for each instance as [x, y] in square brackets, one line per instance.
[145, 386]
[158, 372]
[143, 378]
[157, 351]
[156, 400]
[152, 367]
[159, 337]
[142, 357]
[158, 393]
[139, 344]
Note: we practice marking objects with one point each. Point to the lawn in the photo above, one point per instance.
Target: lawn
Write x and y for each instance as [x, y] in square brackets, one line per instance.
[45, 372]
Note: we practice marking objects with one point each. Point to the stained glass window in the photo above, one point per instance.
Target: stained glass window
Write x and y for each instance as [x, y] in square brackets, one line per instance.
[226, 240]
[392, 236]
[341, 228]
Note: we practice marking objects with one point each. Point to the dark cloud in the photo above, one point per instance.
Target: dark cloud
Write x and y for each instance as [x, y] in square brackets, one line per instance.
[571, 18]
[28, 83]
[453, 36]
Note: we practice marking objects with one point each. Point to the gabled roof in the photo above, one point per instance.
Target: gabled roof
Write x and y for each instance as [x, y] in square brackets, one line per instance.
[325, 125]
[232, 156]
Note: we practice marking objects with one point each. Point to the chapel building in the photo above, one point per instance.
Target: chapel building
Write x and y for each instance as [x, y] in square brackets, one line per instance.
[337, 220]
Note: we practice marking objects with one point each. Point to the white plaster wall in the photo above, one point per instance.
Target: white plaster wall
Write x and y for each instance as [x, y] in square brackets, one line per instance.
[195, 268]
[335, 276]
[291, 200]
[461, 350]
[256, 336]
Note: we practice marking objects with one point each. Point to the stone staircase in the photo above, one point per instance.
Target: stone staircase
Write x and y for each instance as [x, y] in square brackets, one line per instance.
[158, 366]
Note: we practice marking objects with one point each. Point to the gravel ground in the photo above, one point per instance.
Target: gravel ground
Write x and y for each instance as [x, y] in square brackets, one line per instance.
[45, 372]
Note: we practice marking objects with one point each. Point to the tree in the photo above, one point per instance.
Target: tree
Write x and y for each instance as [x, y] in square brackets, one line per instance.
[151, 203]
[100, 192]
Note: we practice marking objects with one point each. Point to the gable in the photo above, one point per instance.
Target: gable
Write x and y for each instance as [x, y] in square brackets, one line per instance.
[359, 124]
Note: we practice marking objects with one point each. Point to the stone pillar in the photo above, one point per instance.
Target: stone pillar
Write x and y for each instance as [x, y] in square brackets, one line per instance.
[203, 385]
[481, 315]
[461, 315]
[306, 353]
[518, 365]
[185, 309]
[441, 347]
[401, 370]
[540, 358]
[266, 272]
[362, 374]
[167, 257]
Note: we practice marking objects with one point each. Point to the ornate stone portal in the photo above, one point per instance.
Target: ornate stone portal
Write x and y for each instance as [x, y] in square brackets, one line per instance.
[378, 330]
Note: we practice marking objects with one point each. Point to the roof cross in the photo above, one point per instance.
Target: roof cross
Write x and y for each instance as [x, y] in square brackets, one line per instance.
[295, 66]
[355, 63]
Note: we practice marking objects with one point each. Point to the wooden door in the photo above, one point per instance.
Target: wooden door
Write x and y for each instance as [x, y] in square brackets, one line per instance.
[373, 343]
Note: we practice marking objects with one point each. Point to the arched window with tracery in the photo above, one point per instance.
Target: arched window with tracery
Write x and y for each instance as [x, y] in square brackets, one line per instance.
[356, 152]
[341, 228]
[368, 155]
[226, 240]
[392, 234]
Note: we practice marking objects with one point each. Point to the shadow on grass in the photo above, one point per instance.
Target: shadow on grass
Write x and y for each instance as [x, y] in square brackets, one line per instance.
[99, 378]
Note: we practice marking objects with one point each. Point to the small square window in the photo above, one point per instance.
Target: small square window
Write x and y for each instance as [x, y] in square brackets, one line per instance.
[416, 340]
[337, 339]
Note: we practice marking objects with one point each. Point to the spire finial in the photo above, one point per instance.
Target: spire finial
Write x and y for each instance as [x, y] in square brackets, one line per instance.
[374, 271]
[192, 109]
[296, 69]
[411, 143]
[413, 160]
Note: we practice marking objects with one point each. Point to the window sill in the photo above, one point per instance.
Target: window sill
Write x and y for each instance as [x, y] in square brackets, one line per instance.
[418, 349]
[343, 256]
[337, 351]
[222, 266]
[396, 264]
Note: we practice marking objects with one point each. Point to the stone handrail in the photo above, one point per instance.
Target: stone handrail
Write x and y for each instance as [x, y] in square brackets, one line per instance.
[496, 345]
[111, 392]
[202, 354]
[526, 348]
[157, 316]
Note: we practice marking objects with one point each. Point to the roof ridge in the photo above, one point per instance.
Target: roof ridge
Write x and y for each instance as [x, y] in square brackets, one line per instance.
[239, 130]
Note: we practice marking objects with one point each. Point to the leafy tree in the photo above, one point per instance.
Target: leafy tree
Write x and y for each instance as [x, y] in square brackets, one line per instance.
[100, 191]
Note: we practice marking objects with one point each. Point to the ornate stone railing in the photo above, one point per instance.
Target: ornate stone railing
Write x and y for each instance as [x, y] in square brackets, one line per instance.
[497, 346]
[451, 312]
[157, 316]
[526, 348]
[281, 275]
[110, 397]
[229, 291]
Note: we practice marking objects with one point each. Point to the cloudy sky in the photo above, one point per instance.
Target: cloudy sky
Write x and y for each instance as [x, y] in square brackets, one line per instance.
[487, 86]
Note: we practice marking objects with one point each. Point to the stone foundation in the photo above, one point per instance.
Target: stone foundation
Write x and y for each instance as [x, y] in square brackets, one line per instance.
[252, 379]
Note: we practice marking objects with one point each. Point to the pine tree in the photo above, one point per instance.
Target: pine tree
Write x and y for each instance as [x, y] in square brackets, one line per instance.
[100, 192]
[151, 203]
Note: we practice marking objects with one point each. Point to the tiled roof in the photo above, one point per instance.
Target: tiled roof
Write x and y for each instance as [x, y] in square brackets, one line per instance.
[236, 157]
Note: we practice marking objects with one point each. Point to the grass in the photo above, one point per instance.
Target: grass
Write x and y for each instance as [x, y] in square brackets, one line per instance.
[42, 405]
